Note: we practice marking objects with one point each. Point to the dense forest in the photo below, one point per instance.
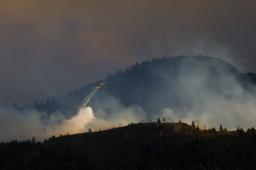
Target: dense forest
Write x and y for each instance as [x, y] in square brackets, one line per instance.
[158, 146]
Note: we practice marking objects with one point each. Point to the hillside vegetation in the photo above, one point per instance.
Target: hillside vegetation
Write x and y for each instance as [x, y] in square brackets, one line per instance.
[146, 146]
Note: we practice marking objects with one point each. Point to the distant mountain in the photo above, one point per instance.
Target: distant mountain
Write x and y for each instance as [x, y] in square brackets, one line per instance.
[143, 146]
[179, 83]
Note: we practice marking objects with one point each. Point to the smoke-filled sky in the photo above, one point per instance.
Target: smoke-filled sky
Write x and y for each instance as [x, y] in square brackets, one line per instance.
[48, 47]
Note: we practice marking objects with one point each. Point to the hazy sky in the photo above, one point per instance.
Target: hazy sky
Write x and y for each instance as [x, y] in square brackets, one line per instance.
[48, 47]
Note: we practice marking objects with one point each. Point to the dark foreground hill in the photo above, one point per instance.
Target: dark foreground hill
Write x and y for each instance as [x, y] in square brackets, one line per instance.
[146, 146]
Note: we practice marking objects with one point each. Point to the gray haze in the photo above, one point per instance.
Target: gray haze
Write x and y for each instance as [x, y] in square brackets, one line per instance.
[49, 47]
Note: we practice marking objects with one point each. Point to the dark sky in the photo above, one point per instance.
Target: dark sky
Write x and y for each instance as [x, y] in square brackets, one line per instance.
[48, 47]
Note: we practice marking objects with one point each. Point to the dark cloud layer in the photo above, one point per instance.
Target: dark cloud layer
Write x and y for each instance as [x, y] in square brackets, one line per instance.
[48, 47]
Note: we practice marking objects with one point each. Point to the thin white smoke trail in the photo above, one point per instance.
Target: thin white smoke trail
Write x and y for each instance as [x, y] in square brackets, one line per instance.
[88, 98]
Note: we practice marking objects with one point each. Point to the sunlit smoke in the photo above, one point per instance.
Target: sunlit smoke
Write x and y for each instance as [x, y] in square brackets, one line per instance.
[28, 124]
[75, 124]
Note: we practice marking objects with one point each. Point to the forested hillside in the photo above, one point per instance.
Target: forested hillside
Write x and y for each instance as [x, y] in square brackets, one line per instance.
[155, 146]
[180, 83]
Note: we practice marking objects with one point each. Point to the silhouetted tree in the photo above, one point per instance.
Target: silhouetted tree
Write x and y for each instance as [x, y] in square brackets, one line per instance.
[197, 128]
[89, 130]
[213, 129]
[193, 124]
[221, 128]
[240, 131]
[33, 140]
[163, 119]
[238, 128]
[158, 120]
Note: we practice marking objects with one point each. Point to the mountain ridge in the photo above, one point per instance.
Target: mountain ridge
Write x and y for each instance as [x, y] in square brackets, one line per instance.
[147, 82]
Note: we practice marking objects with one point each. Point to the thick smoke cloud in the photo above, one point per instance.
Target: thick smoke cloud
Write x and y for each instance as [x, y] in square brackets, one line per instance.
[213, 97]
[49, 47]
[236, 107]
[23, 125]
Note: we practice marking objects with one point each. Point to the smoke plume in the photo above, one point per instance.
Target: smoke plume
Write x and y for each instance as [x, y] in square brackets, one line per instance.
[208, 98]
[30, 123]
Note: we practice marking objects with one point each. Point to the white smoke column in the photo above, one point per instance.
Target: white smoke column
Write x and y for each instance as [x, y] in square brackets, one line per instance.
[86, 118]
[77, 123]
[25, 125]
[88, 98]
[74, 125]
